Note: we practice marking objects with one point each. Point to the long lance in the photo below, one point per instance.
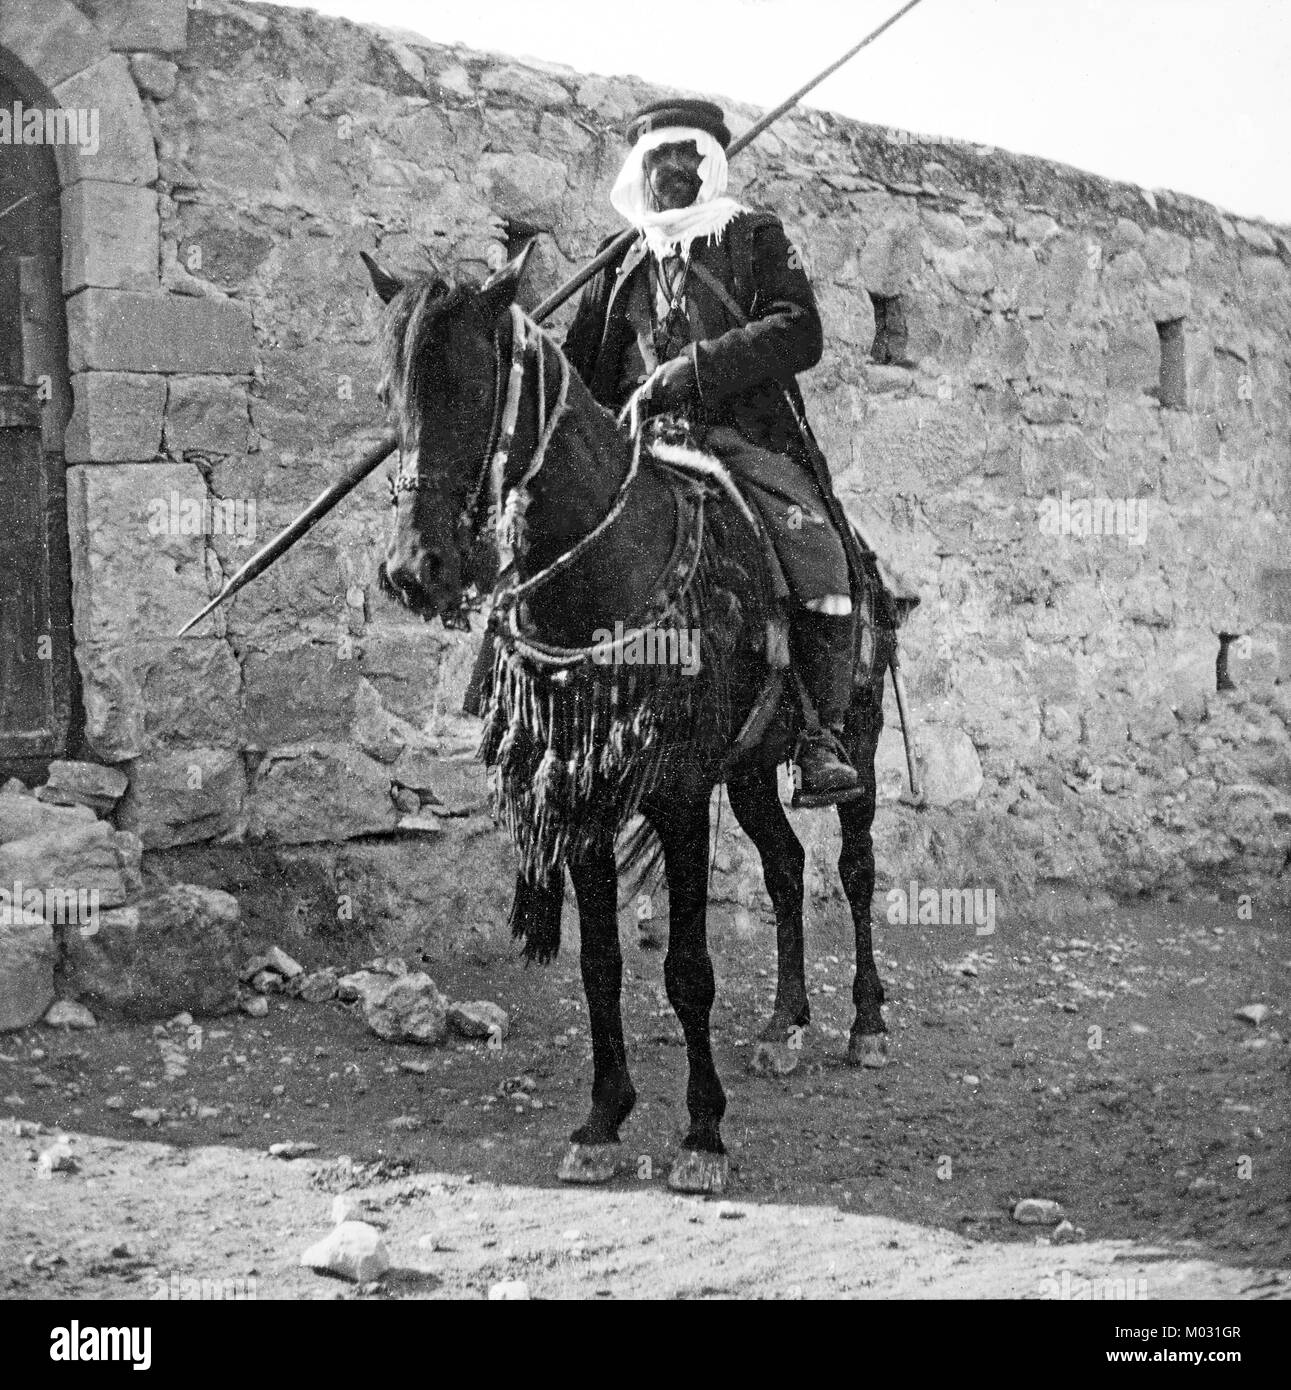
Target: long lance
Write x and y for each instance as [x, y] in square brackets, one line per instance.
[388, 443]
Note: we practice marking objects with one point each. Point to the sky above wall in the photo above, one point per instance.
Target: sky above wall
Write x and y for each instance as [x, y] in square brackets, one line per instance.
[1191, 95]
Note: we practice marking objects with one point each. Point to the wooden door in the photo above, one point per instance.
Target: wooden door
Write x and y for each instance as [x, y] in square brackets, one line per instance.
[37, 698]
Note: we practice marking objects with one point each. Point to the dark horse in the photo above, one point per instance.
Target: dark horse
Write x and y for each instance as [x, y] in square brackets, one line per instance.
[508, 463]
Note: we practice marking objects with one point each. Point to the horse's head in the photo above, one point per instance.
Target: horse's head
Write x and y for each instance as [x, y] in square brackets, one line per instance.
[441, 378]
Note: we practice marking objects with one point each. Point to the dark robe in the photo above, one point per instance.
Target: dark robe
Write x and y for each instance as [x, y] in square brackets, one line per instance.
[742, 371]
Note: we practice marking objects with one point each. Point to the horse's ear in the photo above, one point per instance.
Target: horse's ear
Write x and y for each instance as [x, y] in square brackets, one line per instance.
[498, 292]
[385, 284]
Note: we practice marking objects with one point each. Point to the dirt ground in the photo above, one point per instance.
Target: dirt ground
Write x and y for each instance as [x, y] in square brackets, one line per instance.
[1097, 1062]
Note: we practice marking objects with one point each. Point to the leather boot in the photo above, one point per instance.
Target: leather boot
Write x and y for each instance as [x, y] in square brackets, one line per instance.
[822, 653]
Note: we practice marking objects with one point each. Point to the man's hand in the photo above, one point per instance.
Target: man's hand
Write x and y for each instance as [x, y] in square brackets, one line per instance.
[672, 386]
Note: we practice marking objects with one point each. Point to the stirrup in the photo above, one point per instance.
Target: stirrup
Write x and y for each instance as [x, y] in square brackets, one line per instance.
[806, 800]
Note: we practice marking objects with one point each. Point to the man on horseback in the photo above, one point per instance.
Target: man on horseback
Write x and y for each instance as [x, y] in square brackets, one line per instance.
[709, 316]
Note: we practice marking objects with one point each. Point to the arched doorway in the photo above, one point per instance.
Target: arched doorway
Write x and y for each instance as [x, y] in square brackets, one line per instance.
[39, 704]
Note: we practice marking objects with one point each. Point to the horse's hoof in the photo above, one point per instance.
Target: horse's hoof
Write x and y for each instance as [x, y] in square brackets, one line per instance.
[868, 1050]
[774, 1059]
[590, 1164]
[696, 1171]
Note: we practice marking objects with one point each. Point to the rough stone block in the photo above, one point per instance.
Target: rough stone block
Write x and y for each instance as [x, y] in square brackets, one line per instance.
[891, 257]
[296, 696]
[951, 770]
[116, 417]
[53, 41]
[513, 80]
[27, 957]
[207, 413]
[183, 796]
[172, 952]
[110, 236]
[86, 856]
[131, 577]
[527, 186]
[115, 330]
[22, 816]
[155, 77]
[126, 152]
[1275, 590]
[319, 792]
[83, 784]
[154, 26]
[145, 696]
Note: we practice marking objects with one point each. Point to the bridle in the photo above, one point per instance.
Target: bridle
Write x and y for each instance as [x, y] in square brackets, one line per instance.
[510, 503]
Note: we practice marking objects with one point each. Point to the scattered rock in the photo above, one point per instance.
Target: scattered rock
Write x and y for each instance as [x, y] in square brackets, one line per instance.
[266, 982]
[419, 1068]
[57, 1158]
[280, 961]
[1064, 1233]
[254, 1006]
[181, 1020]
[292, 1148]
[353, 1250]
[480, 1019]
[728, 1211]
[407, 1008]
[147, 1116]
[83, 784]
[252, 967]
[407, 1122]
[1253, 1013]
[1038, 1211]
[66, 1013]
[509, 1291]
[316, 988]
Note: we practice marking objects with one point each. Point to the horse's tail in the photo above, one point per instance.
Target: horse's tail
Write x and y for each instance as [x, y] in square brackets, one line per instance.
[535, 915]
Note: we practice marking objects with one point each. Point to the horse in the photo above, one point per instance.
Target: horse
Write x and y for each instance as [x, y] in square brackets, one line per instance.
[512, 478]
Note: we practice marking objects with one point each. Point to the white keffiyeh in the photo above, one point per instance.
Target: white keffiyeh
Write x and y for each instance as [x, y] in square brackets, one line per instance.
[670, 231]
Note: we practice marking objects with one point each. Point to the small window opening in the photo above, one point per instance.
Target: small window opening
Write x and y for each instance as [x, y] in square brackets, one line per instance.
[1174, 366]
[889, 349]
[1223, 681]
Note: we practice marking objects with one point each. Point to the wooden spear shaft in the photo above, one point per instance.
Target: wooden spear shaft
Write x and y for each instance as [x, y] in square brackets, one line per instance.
[377, 455]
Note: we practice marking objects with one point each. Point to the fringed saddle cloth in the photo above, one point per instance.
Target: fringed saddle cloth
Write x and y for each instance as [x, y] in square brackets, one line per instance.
[575, 739]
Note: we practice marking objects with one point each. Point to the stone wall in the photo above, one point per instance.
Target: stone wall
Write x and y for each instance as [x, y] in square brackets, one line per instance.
[1064, 685]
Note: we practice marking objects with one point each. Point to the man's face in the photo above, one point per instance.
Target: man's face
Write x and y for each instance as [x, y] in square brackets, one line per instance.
[672, 174]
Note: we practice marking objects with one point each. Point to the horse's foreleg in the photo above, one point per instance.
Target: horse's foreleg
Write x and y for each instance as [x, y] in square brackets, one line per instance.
[593, 1156]
[867, 1045]
[755, 800]
[688, 977]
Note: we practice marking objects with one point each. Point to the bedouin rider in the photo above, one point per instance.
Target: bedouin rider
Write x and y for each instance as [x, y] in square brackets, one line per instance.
[667, 318]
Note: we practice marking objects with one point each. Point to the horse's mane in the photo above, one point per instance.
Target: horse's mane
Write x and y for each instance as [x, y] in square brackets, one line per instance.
[408, 333]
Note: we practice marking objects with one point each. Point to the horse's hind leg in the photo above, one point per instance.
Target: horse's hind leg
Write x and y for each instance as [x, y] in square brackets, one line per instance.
[594, 1153]
[756, 802]
[688, 977]
[867, 1045]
